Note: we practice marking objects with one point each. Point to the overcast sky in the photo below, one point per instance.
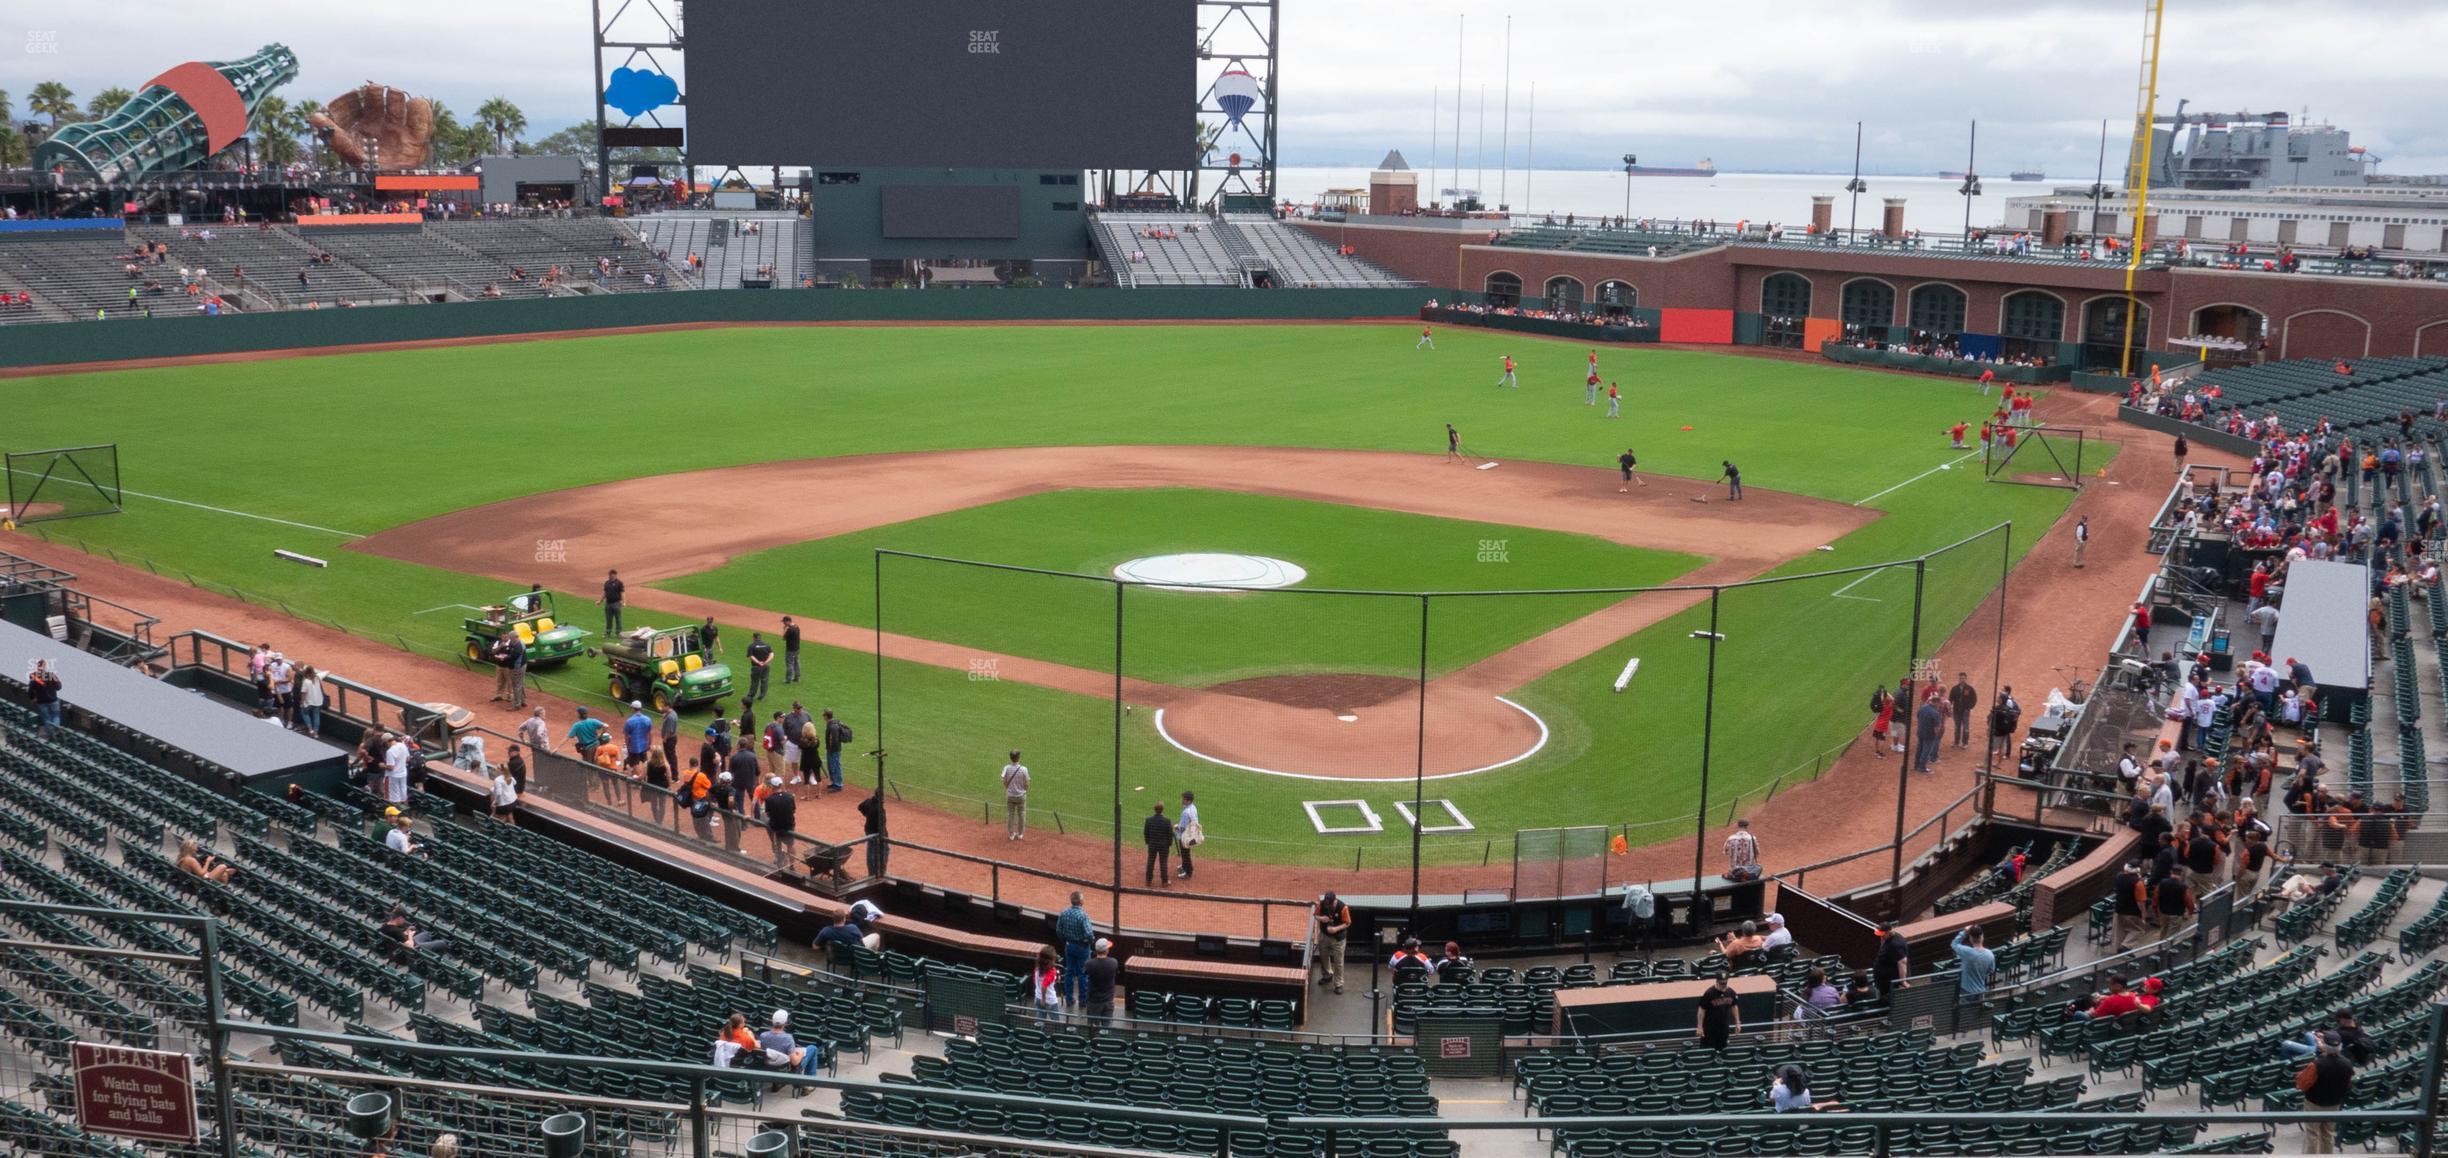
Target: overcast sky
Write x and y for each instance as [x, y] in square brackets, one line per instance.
[1771, 85]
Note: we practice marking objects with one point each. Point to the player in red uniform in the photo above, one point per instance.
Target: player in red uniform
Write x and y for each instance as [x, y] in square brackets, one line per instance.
[1955, 434]
[1427, 338]
[1509, 379]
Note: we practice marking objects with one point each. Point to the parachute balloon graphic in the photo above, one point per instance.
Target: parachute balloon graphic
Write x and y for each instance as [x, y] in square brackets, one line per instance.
[1237, 92]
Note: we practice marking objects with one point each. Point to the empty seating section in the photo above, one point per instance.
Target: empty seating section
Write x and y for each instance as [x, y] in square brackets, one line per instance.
[1299, 259]
[1183, 1072]
[1998, 886]
[72, 277]
[1157, 249]
[574, 244]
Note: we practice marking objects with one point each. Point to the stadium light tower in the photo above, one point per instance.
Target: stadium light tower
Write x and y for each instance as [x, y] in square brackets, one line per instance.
[1630, 161]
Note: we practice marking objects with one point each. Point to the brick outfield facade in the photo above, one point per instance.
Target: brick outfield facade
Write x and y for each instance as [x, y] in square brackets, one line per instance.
[2308, 316]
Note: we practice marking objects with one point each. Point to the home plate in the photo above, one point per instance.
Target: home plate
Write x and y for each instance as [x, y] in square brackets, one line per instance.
[1348, 718]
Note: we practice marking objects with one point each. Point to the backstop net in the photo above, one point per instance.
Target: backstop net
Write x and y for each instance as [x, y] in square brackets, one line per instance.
[2047, 456]
[62, 483]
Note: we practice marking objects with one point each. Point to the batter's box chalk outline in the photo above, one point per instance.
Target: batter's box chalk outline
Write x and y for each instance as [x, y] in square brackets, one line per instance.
[1374, 825]
[1456, 822]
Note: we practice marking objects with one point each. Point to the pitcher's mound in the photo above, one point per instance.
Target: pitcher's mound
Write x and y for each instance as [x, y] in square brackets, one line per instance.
[1211, 571]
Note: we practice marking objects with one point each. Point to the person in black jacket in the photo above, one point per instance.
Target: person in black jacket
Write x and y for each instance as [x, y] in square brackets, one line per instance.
[43, 687]
[781, 817]
[879, 849]
[1893, 962]
[2131, 928]
[1158, 832]
[2325, 1083]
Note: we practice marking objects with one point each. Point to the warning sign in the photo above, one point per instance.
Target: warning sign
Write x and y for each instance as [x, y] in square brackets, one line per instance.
[135, 1093]
[965, 1026]
[1453, 1047]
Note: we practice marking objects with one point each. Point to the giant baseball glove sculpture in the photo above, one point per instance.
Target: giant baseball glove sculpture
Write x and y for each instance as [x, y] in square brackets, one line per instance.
[377, 123]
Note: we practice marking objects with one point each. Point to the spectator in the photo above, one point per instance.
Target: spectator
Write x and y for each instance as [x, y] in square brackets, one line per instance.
[834, 941]
[729, 813]
[310, 700]
[43, 687]
[1451, 962]
[1158, 833]
[2131, 894]
[197, 864]
[733, 1038]
[1961, 699]
[2351, 1041]
[1102, 971]
[1046, 981]
[1718, 1015]
[781, 819]
[807, 1060]
[1819, 992]
[2326, 1080]
[1893, 962]
[1332, 919]
[836, 734]
[400, 839]
[1742, 948]
[1077, 932]
[1778, 936]
[1789, 1092]
[2004, 716]
[1860, 990]
[1410, 962]
[1015, 799]
[1978, 963]
[2173, 902]
[1187, 831]
[409, 939]
[1742, 853]
[585, 734]
[505, 793]
[866, 915]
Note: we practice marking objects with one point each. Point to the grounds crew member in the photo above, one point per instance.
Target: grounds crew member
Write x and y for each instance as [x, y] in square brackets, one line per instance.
[1333, 920]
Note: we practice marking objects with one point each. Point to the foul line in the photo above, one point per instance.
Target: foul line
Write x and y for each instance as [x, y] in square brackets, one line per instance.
[224, 510]
[1917, 478]
[1863, 578]
[1533, 751]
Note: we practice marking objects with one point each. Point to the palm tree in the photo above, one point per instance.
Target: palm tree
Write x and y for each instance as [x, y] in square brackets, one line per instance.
[12, 146]
[52, 99]
[504, 119]
[8, 111]
[106, 102]
[305, 112]
[276, 127]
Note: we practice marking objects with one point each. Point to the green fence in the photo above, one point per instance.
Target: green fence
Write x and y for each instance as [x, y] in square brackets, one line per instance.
[72, 342]
[1897, 360]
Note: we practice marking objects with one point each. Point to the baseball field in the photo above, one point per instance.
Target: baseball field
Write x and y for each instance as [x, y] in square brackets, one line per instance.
[752, 473]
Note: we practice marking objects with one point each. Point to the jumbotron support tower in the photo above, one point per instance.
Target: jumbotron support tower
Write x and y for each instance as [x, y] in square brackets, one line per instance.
[176, 122]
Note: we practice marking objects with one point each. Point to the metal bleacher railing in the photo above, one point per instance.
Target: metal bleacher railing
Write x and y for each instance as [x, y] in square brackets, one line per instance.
[293, 1095]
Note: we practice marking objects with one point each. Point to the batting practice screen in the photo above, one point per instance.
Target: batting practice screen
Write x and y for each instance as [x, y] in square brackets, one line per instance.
[997, 84]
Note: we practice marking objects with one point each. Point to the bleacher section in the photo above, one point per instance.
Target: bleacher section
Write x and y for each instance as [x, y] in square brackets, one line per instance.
[555, 951]
[1172, 249]
[732, 257]
[1298, 259]
[271, 258]
[2301, 393]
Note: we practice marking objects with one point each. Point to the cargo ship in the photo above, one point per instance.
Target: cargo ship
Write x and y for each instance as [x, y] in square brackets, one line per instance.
[2027, 175]
[1706, 168]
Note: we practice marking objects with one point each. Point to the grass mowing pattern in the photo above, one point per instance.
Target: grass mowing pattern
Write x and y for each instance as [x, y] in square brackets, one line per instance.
[362, 442]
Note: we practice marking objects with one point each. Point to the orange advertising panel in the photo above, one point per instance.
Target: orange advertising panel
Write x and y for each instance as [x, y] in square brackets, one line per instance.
[319, 220]
[418, 183]
[1817, 332]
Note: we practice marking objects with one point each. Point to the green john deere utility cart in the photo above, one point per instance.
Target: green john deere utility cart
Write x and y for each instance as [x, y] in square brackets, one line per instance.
[668, 667]
[530, 614]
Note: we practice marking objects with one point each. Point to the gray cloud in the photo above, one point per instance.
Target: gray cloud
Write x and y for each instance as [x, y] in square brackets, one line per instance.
[1773, 85]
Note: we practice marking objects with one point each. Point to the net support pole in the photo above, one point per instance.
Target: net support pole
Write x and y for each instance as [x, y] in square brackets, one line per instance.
[217, 1036]
[1419, 772]
[1997, 662]
[1708, 720]
[1119, 590]
[1912, 673]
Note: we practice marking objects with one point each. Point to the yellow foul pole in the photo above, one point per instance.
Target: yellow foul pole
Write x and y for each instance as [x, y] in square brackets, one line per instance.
[2138, 167]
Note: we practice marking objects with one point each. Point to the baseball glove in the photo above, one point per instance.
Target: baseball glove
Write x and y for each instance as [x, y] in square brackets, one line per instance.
[376, 122]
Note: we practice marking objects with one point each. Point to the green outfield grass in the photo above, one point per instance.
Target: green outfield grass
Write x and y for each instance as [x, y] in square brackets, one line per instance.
[1191, 638]
[353, 444]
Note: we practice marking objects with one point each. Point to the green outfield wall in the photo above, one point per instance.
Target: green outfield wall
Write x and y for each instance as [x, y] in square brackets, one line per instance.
[68, 343]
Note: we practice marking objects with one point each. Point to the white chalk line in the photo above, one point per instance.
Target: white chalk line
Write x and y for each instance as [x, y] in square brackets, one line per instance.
[220, 510]
[1187, 750]
[1917, 478]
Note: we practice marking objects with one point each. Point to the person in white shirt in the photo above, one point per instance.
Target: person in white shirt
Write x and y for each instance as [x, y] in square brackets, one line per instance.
[399, 839]
[1187, 832]
[2266, 618]
[534, 733]
[2129, 769]
[505, 795]
[1015, 797]
[395, 771]
[1778, 935]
